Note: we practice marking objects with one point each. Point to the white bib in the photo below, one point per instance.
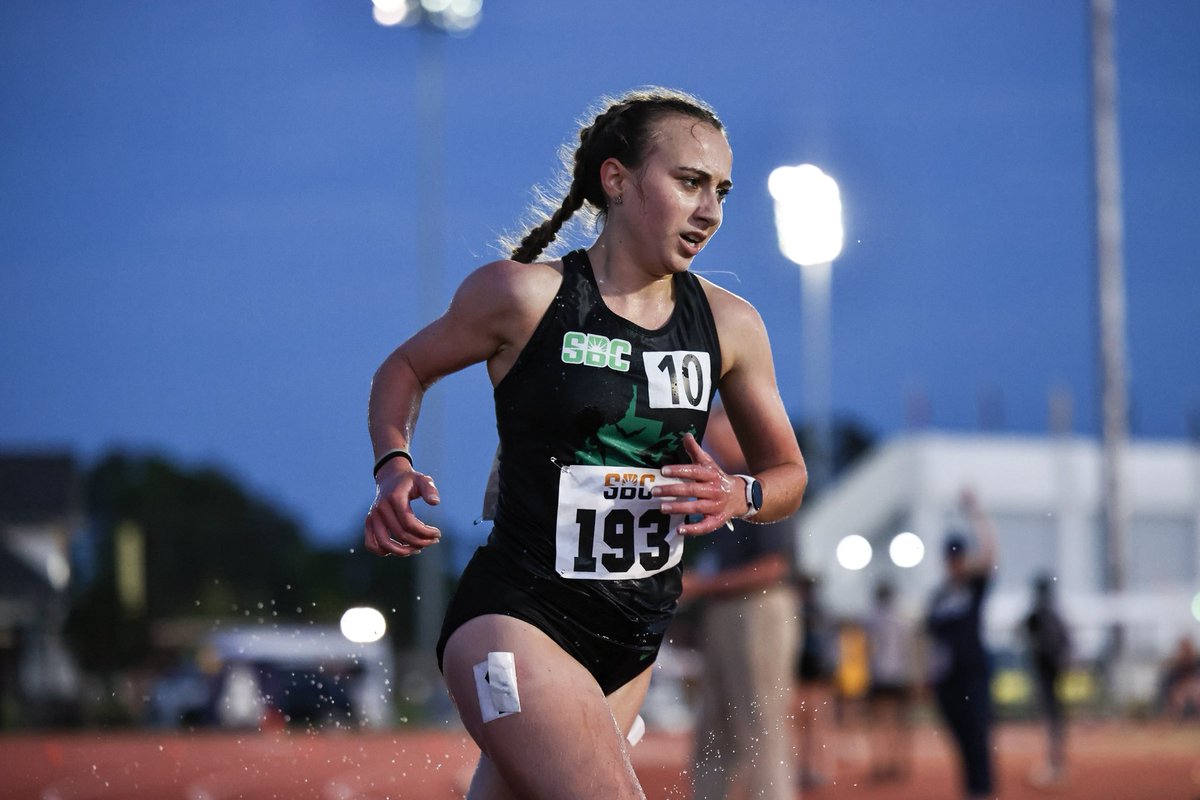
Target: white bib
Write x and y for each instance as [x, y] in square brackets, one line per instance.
[610, 527]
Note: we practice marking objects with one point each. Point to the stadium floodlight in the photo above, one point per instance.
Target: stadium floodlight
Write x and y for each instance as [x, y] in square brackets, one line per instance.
[393, 12]
[457, 17]
[808, 214]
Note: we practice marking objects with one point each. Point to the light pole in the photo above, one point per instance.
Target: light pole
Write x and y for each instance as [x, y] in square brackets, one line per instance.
[434, 19]
[1110, 278]
[808, 221]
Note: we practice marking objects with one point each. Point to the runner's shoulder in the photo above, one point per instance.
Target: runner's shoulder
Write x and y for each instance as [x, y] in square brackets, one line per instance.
[514, 285]
[729, 310]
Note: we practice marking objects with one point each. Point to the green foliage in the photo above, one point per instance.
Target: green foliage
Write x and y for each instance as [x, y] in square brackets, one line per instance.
[199, 527]
[212, 550]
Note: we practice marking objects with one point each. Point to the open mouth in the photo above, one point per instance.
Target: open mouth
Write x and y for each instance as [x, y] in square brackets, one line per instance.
[696, 240]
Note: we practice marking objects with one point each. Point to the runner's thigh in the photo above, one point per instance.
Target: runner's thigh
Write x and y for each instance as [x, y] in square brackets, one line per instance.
[564, 742]
[626, 702]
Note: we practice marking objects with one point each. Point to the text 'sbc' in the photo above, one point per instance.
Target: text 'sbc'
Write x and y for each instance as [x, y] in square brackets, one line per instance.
[594, 350]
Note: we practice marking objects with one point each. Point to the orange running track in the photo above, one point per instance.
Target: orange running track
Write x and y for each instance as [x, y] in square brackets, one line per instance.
[1109, 761]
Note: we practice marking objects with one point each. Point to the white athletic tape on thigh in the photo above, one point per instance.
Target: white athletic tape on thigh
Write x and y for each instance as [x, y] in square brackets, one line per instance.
[496, 685]
[636, 731]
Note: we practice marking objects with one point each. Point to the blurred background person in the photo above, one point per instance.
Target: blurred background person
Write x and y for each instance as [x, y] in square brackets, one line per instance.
[813, 703]
[960, 669]
[749, 632]
[890, 650]
[1049, 645]
[1180, 682]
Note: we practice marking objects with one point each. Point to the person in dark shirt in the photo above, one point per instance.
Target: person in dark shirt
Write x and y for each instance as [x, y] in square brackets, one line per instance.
[1180, 682]
[1049, 646]
[960, 671]
[603, 364]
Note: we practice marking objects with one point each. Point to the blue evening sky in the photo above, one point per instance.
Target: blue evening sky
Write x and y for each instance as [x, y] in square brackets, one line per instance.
[208, 232]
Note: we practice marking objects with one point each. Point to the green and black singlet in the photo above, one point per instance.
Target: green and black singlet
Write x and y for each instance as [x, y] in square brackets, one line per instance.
[589, 413]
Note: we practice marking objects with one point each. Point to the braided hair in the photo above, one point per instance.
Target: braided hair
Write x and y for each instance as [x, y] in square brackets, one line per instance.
[621, 129]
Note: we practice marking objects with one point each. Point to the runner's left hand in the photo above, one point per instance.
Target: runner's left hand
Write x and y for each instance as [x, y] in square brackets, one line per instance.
[706, 490]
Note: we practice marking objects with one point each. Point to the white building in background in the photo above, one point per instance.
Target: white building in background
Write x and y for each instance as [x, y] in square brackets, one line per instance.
[313, 671]
[1043, 497]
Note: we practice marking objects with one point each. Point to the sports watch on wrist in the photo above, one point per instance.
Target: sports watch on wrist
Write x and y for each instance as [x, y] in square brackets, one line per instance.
[754, 496]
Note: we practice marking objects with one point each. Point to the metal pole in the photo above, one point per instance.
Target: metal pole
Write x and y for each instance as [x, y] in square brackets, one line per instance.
[1111, 295]
[815, 286]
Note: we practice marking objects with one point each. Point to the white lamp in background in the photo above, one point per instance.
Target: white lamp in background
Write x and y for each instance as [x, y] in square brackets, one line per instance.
[363, 625]
[854, 552]
[906, 550]
[808, 221]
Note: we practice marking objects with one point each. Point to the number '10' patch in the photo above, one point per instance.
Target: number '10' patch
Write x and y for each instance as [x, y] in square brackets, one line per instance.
[678, 379]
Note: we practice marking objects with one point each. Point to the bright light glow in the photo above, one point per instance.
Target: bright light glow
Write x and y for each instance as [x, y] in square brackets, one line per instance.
[456, 17]
[467, 9]
[1196, 607]
[58, 570]
[906, 549]
[456, 24]
[389, 18]
[854, 552]
[362, 625]
[808, 214]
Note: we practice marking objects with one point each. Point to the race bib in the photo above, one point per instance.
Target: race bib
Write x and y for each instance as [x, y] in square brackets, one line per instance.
[610, 527]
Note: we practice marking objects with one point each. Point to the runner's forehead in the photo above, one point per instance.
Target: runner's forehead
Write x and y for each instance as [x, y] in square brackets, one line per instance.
[687, 143]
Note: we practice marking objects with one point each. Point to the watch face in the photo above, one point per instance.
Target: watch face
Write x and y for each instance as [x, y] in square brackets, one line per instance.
[756, 496]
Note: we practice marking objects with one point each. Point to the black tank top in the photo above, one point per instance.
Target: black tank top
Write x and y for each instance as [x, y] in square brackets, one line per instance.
[594, 392]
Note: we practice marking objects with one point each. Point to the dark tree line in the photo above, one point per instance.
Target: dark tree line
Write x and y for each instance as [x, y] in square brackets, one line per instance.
[213, 550]
[851, 441]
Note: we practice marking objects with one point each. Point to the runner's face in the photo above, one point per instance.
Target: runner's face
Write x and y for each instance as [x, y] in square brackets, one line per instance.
[678, 191]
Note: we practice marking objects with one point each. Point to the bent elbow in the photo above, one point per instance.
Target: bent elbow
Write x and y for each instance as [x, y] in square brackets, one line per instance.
[801, 484]
[793, 490]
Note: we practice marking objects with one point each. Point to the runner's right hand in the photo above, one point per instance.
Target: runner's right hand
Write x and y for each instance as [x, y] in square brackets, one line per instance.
[391, 527]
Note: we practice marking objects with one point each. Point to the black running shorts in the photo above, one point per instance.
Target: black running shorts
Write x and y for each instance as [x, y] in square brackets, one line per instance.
[614, 643]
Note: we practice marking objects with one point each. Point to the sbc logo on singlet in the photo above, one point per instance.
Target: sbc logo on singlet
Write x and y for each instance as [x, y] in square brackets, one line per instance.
[594, 350]
[628, 486]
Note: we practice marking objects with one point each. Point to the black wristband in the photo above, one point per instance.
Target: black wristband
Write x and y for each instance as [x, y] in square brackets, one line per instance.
[388, 456]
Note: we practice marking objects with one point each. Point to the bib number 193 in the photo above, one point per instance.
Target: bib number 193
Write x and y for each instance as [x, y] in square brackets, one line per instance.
[610, 527]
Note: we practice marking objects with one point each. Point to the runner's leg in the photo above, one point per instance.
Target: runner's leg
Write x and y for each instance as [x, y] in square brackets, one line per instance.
[625, 703]
[566, 741]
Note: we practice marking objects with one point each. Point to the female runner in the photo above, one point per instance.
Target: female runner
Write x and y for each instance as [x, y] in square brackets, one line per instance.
[604, 364]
